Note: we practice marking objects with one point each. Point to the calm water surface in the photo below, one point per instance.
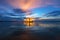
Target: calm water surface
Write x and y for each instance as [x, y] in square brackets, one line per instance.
[30, 30]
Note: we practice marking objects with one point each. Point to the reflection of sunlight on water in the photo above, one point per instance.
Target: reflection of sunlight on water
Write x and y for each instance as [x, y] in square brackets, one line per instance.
[29, 22]
[48, 25]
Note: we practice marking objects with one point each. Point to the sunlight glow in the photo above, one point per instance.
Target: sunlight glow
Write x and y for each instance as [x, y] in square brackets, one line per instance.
[29, 22]
[25, 4]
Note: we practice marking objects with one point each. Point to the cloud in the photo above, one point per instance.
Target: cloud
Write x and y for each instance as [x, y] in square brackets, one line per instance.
[53, 14]
[26, 5]
[33, 15]
[11, 13]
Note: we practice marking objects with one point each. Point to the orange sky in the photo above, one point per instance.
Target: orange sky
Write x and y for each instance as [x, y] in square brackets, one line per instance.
[26, 4]
[29, 4]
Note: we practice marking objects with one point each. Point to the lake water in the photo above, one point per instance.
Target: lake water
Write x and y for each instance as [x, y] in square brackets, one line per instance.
[30, 30]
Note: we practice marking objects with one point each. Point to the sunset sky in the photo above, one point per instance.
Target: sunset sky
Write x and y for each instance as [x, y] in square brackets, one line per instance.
[37, 7]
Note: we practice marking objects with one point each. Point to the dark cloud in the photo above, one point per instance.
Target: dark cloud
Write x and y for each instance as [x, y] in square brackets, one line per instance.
[6, 10]
[53, 14]
[11, 13]
[18, 11]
